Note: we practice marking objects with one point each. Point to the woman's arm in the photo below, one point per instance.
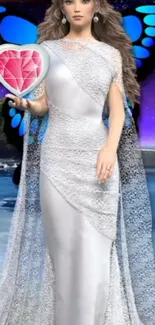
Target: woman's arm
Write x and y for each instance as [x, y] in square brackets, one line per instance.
[39, 106]
[107, 155]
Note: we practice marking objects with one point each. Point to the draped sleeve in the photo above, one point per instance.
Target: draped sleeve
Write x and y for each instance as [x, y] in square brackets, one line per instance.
[118, 70]
[117, 79]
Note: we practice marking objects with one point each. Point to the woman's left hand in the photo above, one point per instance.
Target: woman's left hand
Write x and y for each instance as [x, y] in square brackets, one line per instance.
[105, 163]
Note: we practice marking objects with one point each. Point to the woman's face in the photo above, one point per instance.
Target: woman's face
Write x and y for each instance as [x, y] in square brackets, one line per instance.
[83, 8]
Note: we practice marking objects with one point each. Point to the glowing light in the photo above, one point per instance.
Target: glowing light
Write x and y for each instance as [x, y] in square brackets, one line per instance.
[150, 20]
[12, 112]
[148, 42]
[150, 31]
[139, 63]
[146, 9]
[133, 27]
[21, 31]
[140, 52]
[23, 128]
[16, 120]
[2, 9]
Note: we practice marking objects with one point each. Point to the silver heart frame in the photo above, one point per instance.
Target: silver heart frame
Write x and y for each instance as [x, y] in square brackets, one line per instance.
[45, 66]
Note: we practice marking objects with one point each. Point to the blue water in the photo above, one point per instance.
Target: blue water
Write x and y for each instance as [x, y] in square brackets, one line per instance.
[8, 193]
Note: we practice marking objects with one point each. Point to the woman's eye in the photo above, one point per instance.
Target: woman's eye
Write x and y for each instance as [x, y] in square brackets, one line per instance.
[68, 1]
[86, 1]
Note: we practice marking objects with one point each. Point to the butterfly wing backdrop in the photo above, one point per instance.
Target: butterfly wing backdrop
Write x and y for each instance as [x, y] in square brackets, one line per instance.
[139, 23]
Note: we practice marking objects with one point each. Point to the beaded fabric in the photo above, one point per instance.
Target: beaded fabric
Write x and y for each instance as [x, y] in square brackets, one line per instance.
[27, 287]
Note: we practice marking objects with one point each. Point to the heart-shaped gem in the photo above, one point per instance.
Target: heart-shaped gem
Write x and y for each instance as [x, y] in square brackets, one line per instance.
[22, 67]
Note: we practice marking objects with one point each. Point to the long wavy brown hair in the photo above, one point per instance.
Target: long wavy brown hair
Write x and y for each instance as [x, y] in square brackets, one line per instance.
[108, 29]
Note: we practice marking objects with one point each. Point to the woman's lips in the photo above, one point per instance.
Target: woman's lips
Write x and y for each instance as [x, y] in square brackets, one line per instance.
[77, 17]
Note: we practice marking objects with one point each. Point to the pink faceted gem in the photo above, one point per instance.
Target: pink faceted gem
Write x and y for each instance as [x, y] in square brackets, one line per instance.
[20, 69]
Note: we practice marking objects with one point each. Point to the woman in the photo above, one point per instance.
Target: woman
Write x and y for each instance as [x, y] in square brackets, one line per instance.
[84, 185]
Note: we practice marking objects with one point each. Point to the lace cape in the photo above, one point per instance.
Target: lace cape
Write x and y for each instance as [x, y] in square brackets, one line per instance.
[27, 283]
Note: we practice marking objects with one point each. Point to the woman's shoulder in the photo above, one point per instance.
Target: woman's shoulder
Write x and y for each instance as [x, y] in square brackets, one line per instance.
[47, 42]
[48, 45]
[111, 50]
[112, 54]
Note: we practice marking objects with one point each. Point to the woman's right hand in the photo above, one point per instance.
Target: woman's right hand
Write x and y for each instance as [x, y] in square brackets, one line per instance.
[17, 102]
[38, 107]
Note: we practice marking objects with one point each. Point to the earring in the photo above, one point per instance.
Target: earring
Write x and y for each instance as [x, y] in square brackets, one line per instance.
[64, 20]
[95, 19]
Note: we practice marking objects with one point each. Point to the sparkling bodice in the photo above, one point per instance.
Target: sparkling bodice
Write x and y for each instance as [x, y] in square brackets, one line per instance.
[78, 80]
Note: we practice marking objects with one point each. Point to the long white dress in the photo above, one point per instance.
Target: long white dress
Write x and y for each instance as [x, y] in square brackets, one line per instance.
[76, 132]
[69, 238]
